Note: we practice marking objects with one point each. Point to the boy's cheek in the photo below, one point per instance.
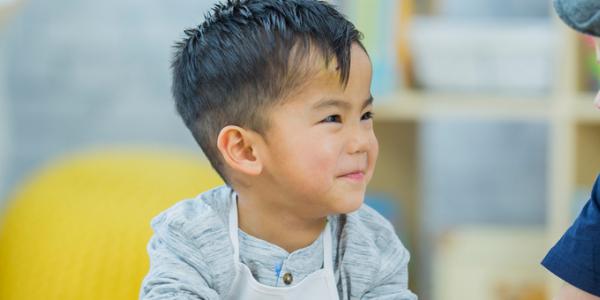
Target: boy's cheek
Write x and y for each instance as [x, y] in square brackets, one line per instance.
[374, 153]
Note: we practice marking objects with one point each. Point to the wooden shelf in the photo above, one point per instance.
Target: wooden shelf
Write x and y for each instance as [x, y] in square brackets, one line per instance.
[584, 110]
[414, 106]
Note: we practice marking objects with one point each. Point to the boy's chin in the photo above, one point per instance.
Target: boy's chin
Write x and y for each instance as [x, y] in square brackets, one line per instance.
[349, 204]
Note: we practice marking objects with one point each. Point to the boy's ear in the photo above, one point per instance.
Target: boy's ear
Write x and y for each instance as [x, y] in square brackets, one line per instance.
[238, 148]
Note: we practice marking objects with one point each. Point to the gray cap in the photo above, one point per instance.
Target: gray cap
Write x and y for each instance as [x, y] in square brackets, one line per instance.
[582, 15]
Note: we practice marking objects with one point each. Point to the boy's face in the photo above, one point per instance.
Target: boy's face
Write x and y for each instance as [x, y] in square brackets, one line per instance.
[320, 149]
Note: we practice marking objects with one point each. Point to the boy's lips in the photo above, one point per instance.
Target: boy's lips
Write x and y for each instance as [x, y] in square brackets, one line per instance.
[597, 101]
[354, 175]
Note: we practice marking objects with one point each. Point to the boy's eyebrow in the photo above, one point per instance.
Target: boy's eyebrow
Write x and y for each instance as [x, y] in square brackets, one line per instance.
[339, 103]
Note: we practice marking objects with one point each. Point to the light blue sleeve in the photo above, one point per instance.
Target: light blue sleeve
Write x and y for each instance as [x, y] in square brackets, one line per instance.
[390, 279]
[190, 240]
[171, 277]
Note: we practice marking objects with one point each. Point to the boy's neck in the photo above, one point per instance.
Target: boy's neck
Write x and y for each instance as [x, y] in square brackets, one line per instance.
[276, 225]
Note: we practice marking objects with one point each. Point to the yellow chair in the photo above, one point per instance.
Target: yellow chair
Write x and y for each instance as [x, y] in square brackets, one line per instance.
[78, 229]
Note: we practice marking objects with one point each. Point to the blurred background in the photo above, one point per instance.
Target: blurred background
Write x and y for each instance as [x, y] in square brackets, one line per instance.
[484, 113]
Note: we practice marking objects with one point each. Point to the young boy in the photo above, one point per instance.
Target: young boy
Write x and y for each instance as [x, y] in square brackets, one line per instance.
[277, 95]
[576, 256]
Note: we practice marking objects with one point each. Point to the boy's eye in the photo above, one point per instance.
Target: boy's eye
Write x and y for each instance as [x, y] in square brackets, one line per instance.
[368, 115]
[333, 119]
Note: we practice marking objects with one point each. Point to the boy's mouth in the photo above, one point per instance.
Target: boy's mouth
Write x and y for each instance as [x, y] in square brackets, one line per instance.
[354, 175]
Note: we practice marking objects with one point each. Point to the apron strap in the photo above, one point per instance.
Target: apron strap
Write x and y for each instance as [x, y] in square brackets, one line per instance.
[327, 247]
[233, 227]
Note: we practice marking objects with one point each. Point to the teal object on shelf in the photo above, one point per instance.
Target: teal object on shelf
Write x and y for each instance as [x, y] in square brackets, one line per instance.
[384, 205]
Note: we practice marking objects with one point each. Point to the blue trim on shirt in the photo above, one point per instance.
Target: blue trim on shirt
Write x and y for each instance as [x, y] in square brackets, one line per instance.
[278, 269]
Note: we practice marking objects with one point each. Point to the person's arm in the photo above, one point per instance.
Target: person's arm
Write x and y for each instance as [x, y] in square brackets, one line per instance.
[392, 279]
[574, 257]
[569, 292]
[171, 277]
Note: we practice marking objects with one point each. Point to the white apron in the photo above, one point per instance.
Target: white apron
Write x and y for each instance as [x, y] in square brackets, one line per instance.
[317, 285]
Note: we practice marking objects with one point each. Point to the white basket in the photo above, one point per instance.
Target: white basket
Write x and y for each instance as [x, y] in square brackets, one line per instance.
[508, 56]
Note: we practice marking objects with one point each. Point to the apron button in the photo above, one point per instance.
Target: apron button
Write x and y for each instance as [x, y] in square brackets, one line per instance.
[287, 278]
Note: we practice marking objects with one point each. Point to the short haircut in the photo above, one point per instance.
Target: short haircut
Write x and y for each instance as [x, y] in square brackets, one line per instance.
[248, 55]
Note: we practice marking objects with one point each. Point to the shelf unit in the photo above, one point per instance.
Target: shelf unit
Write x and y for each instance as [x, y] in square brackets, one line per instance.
[573, 129]
[416, 106]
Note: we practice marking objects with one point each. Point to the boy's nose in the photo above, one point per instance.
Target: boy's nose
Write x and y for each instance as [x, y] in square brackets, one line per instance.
[359, 141]
[597, 100]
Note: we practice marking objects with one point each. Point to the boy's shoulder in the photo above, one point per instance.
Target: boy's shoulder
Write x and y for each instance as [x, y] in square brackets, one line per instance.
[369, 249]
[366, 233]
[196, 232]
[203, 216]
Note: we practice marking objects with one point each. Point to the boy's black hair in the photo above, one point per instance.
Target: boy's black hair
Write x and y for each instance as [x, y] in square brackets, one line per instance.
[249, 54]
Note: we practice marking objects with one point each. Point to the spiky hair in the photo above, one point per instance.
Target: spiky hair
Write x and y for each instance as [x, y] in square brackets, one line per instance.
[249, 54]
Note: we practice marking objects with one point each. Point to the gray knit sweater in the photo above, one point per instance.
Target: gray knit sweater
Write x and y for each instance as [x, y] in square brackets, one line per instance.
[191, 255]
